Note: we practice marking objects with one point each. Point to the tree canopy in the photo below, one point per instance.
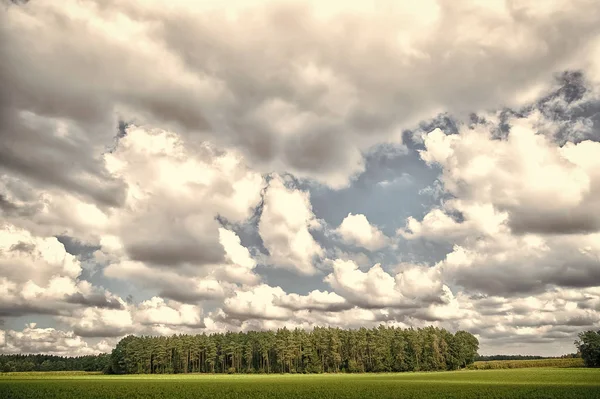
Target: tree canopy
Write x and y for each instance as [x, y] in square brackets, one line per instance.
[297, 351]
[589, 347]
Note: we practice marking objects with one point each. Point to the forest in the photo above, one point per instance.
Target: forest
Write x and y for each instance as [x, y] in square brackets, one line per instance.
[12, 363]
[322, 350]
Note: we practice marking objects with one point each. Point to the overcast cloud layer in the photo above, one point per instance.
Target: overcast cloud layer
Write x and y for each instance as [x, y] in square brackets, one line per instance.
[186, 168]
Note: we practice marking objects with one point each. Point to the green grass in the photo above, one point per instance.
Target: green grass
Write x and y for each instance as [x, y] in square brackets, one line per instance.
[501, 384]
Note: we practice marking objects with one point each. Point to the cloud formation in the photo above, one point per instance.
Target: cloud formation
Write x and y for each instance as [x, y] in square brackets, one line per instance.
[284, 228]
[299, 164]
[357, 230]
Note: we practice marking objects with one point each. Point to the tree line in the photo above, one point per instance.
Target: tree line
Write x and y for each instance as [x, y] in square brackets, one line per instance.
[322, 350]
[12, 363]
[487, 358]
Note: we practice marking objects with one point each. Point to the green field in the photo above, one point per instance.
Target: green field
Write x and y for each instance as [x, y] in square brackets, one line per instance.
[506, 384]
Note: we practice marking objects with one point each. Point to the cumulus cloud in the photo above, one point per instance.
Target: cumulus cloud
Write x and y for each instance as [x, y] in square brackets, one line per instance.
[153, 316]
[412, 287]
[357, 230]
[285, 225]
[521, 216]
[191, 284]
[257, 303]
[33, 339]
[314, 300]
[484, 171]
[173, 204]
[40, 277]
[167, 236]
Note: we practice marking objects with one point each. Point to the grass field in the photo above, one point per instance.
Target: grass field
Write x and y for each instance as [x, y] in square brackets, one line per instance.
[500, 384]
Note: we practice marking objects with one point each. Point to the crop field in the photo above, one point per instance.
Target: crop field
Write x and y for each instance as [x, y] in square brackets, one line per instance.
[505, 384]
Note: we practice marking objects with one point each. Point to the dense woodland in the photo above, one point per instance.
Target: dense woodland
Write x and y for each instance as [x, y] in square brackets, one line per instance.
[11, 363]
[329, 350]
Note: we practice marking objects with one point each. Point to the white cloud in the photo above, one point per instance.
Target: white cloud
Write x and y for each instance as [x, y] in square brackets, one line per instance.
[180, 284]
[167, 235]
[50, 340]
[519, 176]
[284, 227]
[528, 209]
[153, 316]
[95, 322]
[412, 287]
[173, 203]
[257, 303]
[357, 230]
[40, 277]
[157, 311]
[314, 300]
[38, 258]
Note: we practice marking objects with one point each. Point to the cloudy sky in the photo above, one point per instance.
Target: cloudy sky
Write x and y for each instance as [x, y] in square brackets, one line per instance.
[179, 167]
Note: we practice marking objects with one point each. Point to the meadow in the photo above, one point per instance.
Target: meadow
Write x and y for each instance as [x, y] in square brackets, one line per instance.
[501, 383]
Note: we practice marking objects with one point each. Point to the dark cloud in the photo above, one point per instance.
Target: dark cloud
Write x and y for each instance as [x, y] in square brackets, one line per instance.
[224, 90]
[23, 247]
[571, 105]
[579, 321]
[12, 210]
[101, 332]
[33, 149]
[6, 206]
[320, 307]
[76, 247]
[95, 300]
[529, 275]
[194, 326]
[23, 309]
[184, 294]
[179, 250]
[567, 221]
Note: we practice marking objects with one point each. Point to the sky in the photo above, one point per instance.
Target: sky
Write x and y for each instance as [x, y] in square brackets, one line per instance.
[182, 167]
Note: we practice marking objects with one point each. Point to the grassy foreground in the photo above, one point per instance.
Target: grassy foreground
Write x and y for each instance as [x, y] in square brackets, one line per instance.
[506, 384]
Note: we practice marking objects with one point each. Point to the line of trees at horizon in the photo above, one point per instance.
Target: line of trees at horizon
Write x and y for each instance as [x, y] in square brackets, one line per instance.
[30, 362]
[322, 350]
[487, 358]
